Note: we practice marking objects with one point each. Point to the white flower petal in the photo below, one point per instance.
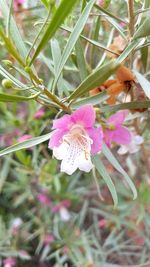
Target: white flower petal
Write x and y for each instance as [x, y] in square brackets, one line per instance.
[64, 214]
[133, 148]
[138, 140]
[122, 150]
[85, 164]
[61, 151]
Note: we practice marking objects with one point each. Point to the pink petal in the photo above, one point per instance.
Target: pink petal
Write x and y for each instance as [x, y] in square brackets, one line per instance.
[96, 135]
[108, 137]
[56, 138]
[117, 118]
[24, 137]
[62, 123]
[122, 135]
[84, 115]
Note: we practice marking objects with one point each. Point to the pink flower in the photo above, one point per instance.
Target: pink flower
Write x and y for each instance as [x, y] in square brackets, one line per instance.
[24, 137]
[39, 114]
[75, 139]
[18, 3]
[62, 209]
[23, 254]
[48, 239]
[44, 199]
[115, 131]
[102, 223]
[9, 262]
[133, 146]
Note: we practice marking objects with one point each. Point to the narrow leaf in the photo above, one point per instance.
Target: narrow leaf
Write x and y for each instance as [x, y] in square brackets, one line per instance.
[59, 16]
[95, 79]
[103, 172]
[15, 98]
[108, 154]
[145, 84]
[74, 37]
[143, 30]
[26, 144]
[93, 100]
[131, 105]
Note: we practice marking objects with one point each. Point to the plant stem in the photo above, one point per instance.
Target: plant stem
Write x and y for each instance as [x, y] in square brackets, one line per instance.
[131, 17]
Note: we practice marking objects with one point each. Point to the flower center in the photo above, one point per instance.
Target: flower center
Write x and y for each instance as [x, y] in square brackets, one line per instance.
[78, 136]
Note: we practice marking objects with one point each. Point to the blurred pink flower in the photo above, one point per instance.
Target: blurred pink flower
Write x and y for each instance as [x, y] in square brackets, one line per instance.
[48, 239]
[23, 254]
[39, 114]
[133, 146]
[9, 262]
[7, 138]
[44, 199]
[18, 3]
[62, 209]
[24, 138]
[15, 225]
[102, 223]
[75, 139]
[100, 2]
[115, 132]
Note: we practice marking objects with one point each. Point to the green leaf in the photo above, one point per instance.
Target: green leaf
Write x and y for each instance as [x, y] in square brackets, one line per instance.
[81, 62]
[13, 29]
[45, 2]
[103, 172]
[127, 51]
[145, 84]
[131, 105]
[93, 100]
[73, 38]
[143, 30]
[59, 16]
[108, 154]
[8, 76]
[11, 48]
[144, 56]
[26, 144]
[95, 79]
[16, 98]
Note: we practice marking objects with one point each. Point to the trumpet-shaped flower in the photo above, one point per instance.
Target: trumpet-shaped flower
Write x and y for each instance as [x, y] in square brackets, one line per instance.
[115, 132]
[75, 139]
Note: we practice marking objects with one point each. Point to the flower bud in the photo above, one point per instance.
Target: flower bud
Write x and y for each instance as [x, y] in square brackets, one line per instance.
[7, 83]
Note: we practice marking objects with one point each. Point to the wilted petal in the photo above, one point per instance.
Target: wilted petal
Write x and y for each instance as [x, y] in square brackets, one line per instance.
[84, 115]
[96, 135]
[118, 118]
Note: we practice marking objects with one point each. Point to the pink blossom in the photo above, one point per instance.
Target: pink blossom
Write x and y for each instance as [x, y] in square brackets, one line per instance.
[23, 254]
[44, 199]
[115, 132]
[74, 140]
[24, 137]
[9, 262]
[48, 239]
[133, 146]
[62, 209]
[39, 114]
[18, 3]
[102, 223]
